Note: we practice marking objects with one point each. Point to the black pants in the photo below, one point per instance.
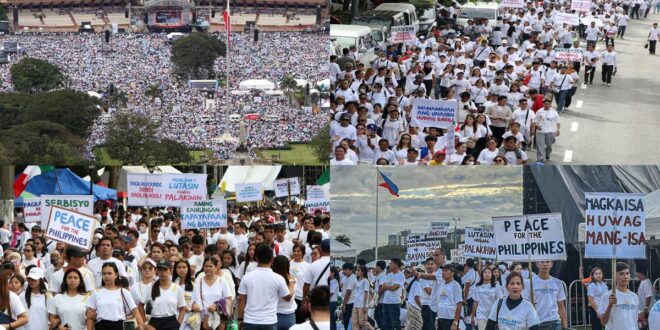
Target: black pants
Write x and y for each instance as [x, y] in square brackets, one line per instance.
[109, 325]
[165, 323]
[497, 133]
[652, 44]
[609, 40]
[569, 97]
[428, 84]
[595, 321]
[621, 32]
[589, 73]
[607, 73]
[576, 67]
[346, 316]
[635, 12]
[445, 324]
[428, 318]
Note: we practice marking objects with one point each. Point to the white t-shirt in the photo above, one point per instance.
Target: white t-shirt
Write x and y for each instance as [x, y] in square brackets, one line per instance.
[624, 314]
[96, 264]
[449, 294]
[425, 298]
[263, 288]
[393, 297]
[486, 295]
[547, 293]
[110, 305]
[486, 156]
[71, 310]
[521, 317]
[361, 287]
[298, 270]
[315, 271]
[141, 291]
[205, 295]
[308, 326]
[597, 290]
[168, 302]
[350, 283]
[58, 278]
[654, 316]
[644, 291]
[334, 290]
[37, 313]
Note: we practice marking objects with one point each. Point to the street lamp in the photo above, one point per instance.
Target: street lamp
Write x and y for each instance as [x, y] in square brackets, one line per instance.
[455, 237]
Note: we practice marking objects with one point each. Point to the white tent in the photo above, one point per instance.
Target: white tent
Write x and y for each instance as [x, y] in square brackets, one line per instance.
[250, 174]
[324, 83]
[301, 82]
[652, 210]
[261, 84]
[338, 249]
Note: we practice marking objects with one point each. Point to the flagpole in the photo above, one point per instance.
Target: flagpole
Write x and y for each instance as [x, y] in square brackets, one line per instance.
[228, 29]
[376, 254]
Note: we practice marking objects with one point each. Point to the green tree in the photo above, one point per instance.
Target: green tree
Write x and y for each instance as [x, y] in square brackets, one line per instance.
[343, 239]
[32, 75]
[153, 91]
[289, 85]
[132, 139]
[76, 111]
[321, 144]
[385, 252]
[422, 5]
[42, 142]
[193, 56]
[3, 14]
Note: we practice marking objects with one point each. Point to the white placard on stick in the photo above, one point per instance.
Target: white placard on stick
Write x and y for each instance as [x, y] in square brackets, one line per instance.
[165, 189]
[534, 237]
[32, 209]
[248, 192]
[79, 203]
[434, 113]
[70, 227]
[317, 199]
[480, 242]
[204, 214]
[283, 186]
[438, 229]
[403, 33]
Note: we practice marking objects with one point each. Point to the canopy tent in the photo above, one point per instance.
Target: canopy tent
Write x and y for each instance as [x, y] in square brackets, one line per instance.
[652, 210]
[18, 202]
[301, 82]
[261, 84]
[64, 182]
[339, 249]
[250, 174]
[324, 84]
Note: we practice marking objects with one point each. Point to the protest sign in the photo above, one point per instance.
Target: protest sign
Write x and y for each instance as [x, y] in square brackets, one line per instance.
[32, 209]
[587, 21]
[615, 226]
[457, 254]
[513, 3]
[248, 192]
[535, 237]
[568, 54]
[79, 203]
[165, 189]
[204, 214]
[404, 33]
[439, 229]
[317, 200]
[420, 250]
[415, 237]
[480, 243]
[434, 113]
[70, 227]
[567, 18]
[581, 5]
[283, 186]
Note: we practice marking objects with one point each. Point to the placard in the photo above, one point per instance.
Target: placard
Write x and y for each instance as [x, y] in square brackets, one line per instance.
[457, 254]
[204, 214]
[79, 203]
[615, 224]
[32, 209]
[415, 237]
[70, 227]
[417, 251]
[568, 54]
[480, 243]
[513, 3]
[535, 237]
[404, 33]
[434, 113]
[248, 192]
[568, 18]
[165, 189]
[317, 200]
[439, 229]
[581, 5]
[282, 187]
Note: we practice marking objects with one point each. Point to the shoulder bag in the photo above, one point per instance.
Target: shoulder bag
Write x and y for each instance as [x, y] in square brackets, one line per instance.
[129, 322]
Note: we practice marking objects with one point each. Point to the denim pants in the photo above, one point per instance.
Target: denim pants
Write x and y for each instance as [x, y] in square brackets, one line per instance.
[251, 326]
[391, 317]
[550, 325]
[333, 315]
[346, 316]
[285, 321]
[428, 317]
[561, 99]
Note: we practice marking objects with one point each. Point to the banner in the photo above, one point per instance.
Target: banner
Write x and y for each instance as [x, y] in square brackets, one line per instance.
[70, 227]
[581, 5]
[204, 214]
[568, 54]
[535, 237]
[615, 226]
[480, 242]
[434, 113]
[248, 192]
[568, 18]
[415, 237]
[282, 187]
[439, 229]
[165, 189]
[417, 251]
[79, 203]
[587, 21]
[513, 3]
[317, 200]
[32, 209]
[457, 254]
[401, 34]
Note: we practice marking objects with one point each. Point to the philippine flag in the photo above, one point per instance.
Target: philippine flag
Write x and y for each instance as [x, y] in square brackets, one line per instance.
[386, 183]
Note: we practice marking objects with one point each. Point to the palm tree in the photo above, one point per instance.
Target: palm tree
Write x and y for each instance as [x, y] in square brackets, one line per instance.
[343, 239]
[153, 91]
[289, 85]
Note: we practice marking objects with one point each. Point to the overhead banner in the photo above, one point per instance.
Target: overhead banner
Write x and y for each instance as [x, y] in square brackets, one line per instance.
[404, 33]
[70, 227]
[535, 237]
[568, 54]
[439, 229]
[284, 186]
[32, 209]
[79, 203]
[513, 3]
[615, 226]
[204, 214]
[317, 200]
[248, 192]
[434, 113]
[480, 243]
[567, 18]
[581, 5]
[165, 189]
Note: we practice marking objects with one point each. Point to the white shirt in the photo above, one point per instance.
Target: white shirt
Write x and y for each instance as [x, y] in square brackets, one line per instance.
[334, 290]
[654, 34]
[205, 295]
[71, 310]
[37, 312]
[58, 277]
[168, 302]
[361, 287]
[654, 316]
[263, 288]
[486, 295]
[547, 120]
[644, 291]
[547, 293]
[17, 307]
[110, 305]
[96, 264]
[141, 291]
[597, 290]
[415, 291]
[448, 295]
[308, 326]
[521, 317]
[425, 298]
[393, 297]
[312, 276]
[350, 283]
[624, 314]
[298, 270]
[486, 156]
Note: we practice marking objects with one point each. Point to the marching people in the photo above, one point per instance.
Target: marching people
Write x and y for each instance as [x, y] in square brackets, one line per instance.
[485, 293]
[68, 309]
[620, 310]
[168, 305]
[513, 312]
[111, 305]
[549, 297]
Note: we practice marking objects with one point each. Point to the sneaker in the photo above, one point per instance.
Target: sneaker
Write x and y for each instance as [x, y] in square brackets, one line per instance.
[603, 83]
[608, 85]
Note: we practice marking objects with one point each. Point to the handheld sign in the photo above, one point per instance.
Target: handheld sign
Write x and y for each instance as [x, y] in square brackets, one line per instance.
[204, 215]
[615, 226]
[165, 189]
[439, 230]
[581, 5]
[535, 237]
[434, 113]
[79, 203]
[568, 54]
[317, 199]
[70, 227]
[248, 192]
[457, 254]
[566, 18]
[420, 250]
[513, 3]
[32, 209]
[480, 243]
[404, 33]
[282, 187]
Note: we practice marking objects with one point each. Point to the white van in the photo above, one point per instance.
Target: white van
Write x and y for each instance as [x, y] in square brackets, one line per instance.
[353, 35]
[407, 9]
[471, 10]
[381, 23]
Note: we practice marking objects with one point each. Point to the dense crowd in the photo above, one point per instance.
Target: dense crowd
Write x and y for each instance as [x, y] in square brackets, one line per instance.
[512, 78]
[267, 269]
[134, 62]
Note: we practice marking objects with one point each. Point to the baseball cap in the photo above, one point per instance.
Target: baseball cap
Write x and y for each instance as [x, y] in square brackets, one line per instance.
[149, 261]
[372, 127]
[164, 264]
[36, 273]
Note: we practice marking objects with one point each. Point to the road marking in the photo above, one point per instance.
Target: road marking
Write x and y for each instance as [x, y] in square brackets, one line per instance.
[579, 104]
[568, 156]
[574, 126]
[584, 86]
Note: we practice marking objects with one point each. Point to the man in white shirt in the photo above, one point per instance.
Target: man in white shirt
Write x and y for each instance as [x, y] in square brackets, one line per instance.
[592, 34]
[546, 127]
[318, 272]
[622, 22]
[619, 310]
[348, 292]
[561, 85]
[549, 297]
[340, 157]
[105, 255]
[319, 318]
[391, 293]
[653, 38]
[609, 65]
[644, 291]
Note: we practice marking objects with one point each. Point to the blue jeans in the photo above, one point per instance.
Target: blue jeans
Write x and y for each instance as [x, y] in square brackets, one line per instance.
[561, 99]
[378, 316]
[333, 315]
[437, 89]
[251, 326]
[391, 317]
[428, 318]
[550, 325]
[285, 321]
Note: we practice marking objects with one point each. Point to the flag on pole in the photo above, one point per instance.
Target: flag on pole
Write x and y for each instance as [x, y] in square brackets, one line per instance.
[29, 173]
[227, 19]
[386, 183]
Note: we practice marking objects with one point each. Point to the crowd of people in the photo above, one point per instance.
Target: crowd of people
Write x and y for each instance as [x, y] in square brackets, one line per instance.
[438, 295]
[513, 79]
[267, 269]
[135, 63]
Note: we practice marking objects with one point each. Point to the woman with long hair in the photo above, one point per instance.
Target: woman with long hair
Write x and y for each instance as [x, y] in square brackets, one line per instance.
[30, 257]
[401, 149]
[167, 301]
[471, 132]
[11, 307]
[514, 309]
[68, 309]
[286, 310]
[42, 251]
[17, 284]
[111, 305]
[211, 293]
[485, 294]
[141, 289]
[36, 299]
[249, 262]
[229, 261]
[183, 276]
[333, 280]
[595, 291]
[298, 268]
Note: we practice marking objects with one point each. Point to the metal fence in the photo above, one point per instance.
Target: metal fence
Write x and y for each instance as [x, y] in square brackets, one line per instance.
[577, 308]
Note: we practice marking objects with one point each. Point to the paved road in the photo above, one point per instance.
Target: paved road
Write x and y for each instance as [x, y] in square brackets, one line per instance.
[618, 124]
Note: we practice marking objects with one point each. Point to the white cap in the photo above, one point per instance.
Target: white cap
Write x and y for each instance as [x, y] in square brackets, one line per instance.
[36, 273]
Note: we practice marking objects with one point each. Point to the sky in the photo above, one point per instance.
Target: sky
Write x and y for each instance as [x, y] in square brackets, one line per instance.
[472, 193]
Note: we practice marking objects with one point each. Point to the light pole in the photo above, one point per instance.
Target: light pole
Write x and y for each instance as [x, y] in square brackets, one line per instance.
[455, 237]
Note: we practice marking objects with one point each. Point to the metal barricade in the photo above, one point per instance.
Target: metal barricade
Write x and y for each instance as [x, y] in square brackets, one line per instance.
[656, 289]
[577, 306]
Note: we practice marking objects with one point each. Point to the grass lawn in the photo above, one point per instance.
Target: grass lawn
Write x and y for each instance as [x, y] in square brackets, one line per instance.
[300, 154]
[196, 155]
